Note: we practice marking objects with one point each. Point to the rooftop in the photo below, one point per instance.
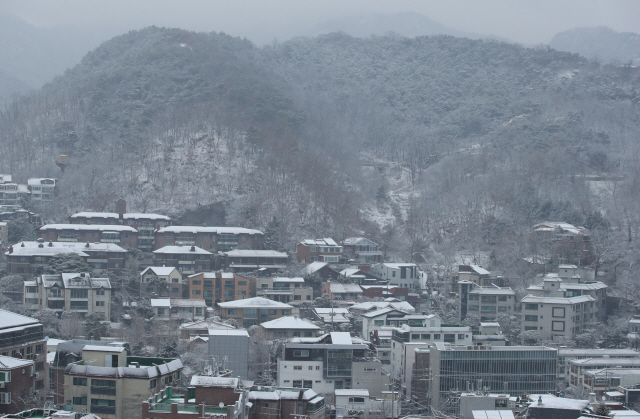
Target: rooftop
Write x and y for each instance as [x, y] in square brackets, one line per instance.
[126, 216]
[352, 392]
[159, 270]
[219, 382]
[172, 250]
[228, 332]
[211, 230]
[320, 242]
[9, 319]
[289, 322]
[557, 300]
[88, 227]
[256, 254]
[255, 302]
[9, 363]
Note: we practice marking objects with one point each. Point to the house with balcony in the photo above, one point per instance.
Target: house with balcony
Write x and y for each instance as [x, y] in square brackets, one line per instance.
[42, 189]
[23, 338]
[254, 310]
[12, 193]
[71, 293]
[252, 260]
[188, 260]
[213, 239]
[111, 384]
[17, 380]
[217, 287]
[161, 281]
[171, 309]
[332, 361]
[319, 250]
[285, 290]
[117, 234]
[285, 403]
[361, 250]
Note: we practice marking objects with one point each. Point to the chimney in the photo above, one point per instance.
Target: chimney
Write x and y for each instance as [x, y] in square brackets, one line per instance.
[193, 248]
[50, 243]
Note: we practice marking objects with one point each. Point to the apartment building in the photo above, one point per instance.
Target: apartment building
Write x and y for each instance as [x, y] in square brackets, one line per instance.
[42, 189]
[254, 310]
[112, 384]
[253, 260]
[516, 370]
[188, 260]
[169, 309]
[117, 234]
[569, 354]
[319, 250]
[217, 287]
[285, 403]
[71, 293]
[283, 289]
[213, 239]
[362, 250]
[17, 380]
[28, 258]
[558, 318]
[161, 281]
[400, 274]
[332, 361]
[485, 302]
[12, 193]
[22, 337]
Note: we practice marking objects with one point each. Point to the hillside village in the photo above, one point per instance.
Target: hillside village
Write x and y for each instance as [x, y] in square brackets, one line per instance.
[131, 315]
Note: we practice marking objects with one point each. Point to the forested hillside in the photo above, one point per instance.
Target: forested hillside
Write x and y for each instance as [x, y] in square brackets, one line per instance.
[436, 147]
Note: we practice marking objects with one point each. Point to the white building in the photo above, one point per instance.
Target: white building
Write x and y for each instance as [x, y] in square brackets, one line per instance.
[399, 274]
[558, 318]
[290, 327]
[177, 309]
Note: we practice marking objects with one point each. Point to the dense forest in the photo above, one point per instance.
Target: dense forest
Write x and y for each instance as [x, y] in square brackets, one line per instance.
[439, 148]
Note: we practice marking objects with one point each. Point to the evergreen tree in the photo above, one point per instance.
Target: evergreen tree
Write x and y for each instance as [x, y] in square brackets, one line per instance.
[271, 235]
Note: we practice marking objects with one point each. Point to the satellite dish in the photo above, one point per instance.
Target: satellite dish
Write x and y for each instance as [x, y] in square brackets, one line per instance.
[221, 405]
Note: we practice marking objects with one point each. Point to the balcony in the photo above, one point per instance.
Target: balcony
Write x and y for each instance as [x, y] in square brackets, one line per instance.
[109, 391]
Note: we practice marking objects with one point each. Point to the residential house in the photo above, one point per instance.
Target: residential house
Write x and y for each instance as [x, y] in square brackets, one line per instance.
[342, 291]
[332, 316]
[390, 291]
[285, 290]
[401, 274]
[332, 361]
[322, 269]
[252, 260]
[558, 318]
[376, 319]
[254, 310]
[17, 379]
[361, 249]
[42, 189]
[112, 384]
[169, 309]
[76, 293]
[216, 287]
[161, 281]
[121, 235]
[360, 276]
[22, 337]
[29, 258]
[377, 305]
[12, 193]
[489, 334]
[289, 327]
[285, 403]
[206, 397]
[564, 243]
[187, 259]
[476, 274]
[319, 250]
[201, 328]
[230, 349]
[487, 303]
[213, 239]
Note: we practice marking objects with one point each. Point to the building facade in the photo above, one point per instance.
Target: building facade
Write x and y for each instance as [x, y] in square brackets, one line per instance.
[218, 287]
[362, 250]
[251, 311]
[212, 239]
[319, 250]
[188, 260]
[124, 236]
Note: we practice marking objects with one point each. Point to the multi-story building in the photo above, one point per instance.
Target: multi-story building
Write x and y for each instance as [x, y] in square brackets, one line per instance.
[112, 384]
[569, 354]
[216, 287]
[332, 361]
[562, 243]
[42, 189]
[568, 283]
[71, 293]
[441, 370]
[187, 259]
[254, 310]
[389, 291]
[201, 328]
[252, 260]
[168, 309]
[146, 224]
[476, 274]
[578, 367]
[230, 348]
[23, 337]
[290, 327]
[377, 319]
[162, 281]
[401, 274]
[485, 302]
[206, 397]
[342, 291]
[17, 378]
[90, 233]
[283, 289]
[319, 250]
[213, 239]
[12, 193]
[285, 403]
[361, 249]
[558, 318]
[28, 258]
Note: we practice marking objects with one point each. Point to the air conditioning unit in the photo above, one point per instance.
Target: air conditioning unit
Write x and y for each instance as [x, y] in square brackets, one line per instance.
[36, 375]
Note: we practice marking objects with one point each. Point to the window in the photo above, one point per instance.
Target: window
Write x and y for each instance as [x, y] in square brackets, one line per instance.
[153, 383]
[79, 293]
[530, 318]
[425, 336]
[461, 336]
[317, 367]
[297, 367]
[232, 312]
[82, 401]
[474, 308]
[242, 293]
[242, 283]
[378, 322]
[474, 297]
[297, 297]
[5, 376]
[488, 299]
[301, 353]
[272, 312]
[208, 284]
[502, 298]
[102, 383]
[558, 312]
[297, 383]
[99, 303]
[100, 292]
[5, 398]
[285, 312]
[311, 368]
[195, 292]
[449, 337]
[436, 336]
[557, 326]
[103, 402]
[197, 282]
[488, 309]
[356, 399]
[531, 306]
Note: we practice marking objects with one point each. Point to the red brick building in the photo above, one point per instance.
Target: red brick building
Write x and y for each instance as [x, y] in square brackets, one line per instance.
[319, 250]
[16, 382]
[219, 287]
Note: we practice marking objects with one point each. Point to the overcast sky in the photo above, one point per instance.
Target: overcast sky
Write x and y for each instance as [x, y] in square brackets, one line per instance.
[522, 21]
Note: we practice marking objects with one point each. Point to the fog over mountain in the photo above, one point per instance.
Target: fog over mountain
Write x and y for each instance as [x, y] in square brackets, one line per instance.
[601, 43]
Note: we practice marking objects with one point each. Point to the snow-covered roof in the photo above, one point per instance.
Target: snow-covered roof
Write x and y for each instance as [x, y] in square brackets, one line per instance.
[614, 362]
[351, 241]
[172, 250]
[336, 318]
[328, 310]
[206, 381]
[37, 181]
[492, 414]
[10, 319]
[205, 324]
[341, 338]
[557, 300]
[160, 302]
[398, 305]
[124, 372]
[210, 230]
[288, 280]
[159, 270]
[255, 302]
[549, 401]
[6, 178]
[585, 286]
[492, 291]
[381, 312]
[19, 250]
[612, 353]
[95, 348]
[352, 392]
[88, 227]
[289, 322]
[313, 267]
[126, 216]
[256, 253]
[319, 242]
[480, 270]
[34, 248]
[490, 324]
[9, 363]
[177, 302]
[234, 332]
[398, 265]
[553, 225]
[338, 288]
